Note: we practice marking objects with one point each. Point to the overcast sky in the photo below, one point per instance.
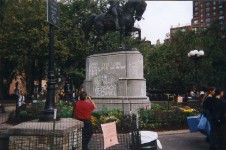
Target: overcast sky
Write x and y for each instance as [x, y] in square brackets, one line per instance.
[161, 15]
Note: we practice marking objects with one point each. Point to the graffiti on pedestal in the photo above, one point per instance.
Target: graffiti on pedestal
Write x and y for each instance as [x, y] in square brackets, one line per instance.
[96, 68]
[105, 85]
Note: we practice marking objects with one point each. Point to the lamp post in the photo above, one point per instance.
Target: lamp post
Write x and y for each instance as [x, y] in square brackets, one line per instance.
[196, 55]
[53, 17]
[48, 112]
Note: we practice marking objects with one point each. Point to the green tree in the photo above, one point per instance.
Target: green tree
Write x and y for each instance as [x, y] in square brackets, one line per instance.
[24, 39]
[213, 42]
[71, 54]
[170, 68]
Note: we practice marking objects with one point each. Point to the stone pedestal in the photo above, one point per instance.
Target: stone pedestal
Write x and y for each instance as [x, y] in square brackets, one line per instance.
[115, 80]
[35, 135]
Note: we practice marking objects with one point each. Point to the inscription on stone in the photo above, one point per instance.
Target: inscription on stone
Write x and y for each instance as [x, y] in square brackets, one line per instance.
[95, 68]
[105, 85]
[135, 65]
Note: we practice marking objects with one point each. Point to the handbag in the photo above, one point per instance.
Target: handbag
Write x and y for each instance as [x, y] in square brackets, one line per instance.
[204, 125]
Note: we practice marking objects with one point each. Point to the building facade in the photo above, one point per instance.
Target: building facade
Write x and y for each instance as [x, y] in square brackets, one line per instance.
[207, 12]
[182, 28]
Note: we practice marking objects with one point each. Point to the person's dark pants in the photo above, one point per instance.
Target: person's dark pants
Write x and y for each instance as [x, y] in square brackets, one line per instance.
[213, 139]
[212, 135]
[222, 137]
[87, 132]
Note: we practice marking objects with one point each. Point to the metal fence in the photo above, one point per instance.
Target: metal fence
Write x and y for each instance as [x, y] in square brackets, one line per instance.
[4, 131]
[65, 134]
[128, 137]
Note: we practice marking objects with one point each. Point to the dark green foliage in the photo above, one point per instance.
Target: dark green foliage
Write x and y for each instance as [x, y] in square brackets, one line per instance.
[168, 66]
[156, 119]
[163, 119]
[65, 109]
[24, 40]
[33, 111]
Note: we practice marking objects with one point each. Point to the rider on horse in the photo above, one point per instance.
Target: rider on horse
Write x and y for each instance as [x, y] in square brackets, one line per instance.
[114, 11]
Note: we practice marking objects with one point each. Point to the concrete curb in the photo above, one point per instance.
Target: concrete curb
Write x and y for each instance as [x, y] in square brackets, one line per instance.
[173, 132]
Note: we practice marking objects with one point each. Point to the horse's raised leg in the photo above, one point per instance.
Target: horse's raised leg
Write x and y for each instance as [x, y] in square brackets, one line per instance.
[106, 45]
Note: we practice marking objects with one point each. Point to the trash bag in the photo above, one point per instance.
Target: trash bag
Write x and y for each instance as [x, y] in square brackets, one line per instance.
[204, 125]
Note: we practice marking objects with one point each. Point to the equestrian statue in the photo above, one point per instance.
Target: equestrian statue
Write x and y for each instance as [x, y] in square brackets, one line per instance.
[118, 18]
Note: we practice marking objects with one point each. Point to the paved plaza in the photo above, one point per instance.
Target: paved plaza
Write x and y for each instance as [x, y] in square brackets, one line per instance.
[182, 140]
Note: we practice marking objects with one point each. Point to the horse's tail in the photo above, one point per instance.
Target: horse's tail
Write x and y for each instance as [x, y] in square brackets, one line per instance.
[87, 26]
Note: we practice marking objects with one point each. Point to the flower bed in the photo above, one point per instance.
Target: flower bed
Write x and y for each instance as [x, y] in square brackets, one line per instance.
[159, 118]
[155, 119]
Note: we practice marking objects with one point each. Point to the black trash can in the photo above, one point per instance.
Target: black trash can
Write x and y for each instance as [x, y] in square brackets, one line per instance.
[148, 140]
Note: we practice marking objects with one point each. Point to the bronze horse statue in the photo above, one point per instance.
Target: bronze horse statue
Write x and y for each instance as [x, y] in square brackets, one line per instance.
[103, 23]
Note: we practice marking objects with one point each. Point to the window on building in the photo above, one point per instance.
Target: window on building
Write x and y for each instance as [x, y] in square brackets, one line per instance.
[214, 7]
[196, 21]
[214, 13]
[221, 12]
[207, 20]
[214, 3]
[196, 3]
[196, 9]
[221, 17]
[195, 29]
[207, 9]
[196, 13]
[207, 4]
[201, 5]
[201, 10]
[201, 20]
[221, 2]
[208, 14]
[220, 6]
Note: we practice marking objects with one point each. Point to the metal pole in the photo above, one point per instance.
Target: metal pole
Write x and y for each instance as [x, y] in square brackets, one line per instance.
[48, 112]
[52, 147]
[196, 77]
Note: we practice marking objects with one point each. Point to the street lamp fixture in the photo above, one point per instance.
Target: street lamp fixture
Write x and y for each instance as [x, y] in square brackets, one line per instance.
[196, 55]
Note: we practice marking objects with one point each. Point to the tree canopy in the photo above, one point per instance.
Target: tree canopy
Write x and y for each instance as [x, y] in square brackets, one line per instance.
[170, 68]
[24, 44]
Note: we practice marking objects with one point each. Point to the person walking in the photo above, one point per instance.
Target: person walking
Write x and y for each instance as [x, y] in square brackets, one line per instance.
[202, 97]
[21, 102]
[82, 112]
[218, 119]
[208, 111]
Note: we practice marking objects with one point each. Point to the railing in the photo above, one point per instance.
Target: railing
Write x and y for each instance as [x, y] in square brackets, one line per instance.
[66, 134]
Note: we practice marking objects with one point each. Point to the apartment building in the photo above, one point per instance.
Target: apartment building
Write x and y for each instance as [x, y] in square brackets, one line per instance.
[207, 12]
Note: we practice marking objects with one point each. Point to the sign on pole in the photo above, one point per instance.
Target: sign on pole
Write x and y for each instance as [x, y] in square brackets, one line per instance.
[53, 13]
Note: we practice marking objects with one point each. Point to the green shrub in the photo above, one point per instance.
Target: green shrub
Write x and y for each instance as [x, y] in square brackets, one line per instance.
[160, 107]
[23, 114]
[65, 109]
